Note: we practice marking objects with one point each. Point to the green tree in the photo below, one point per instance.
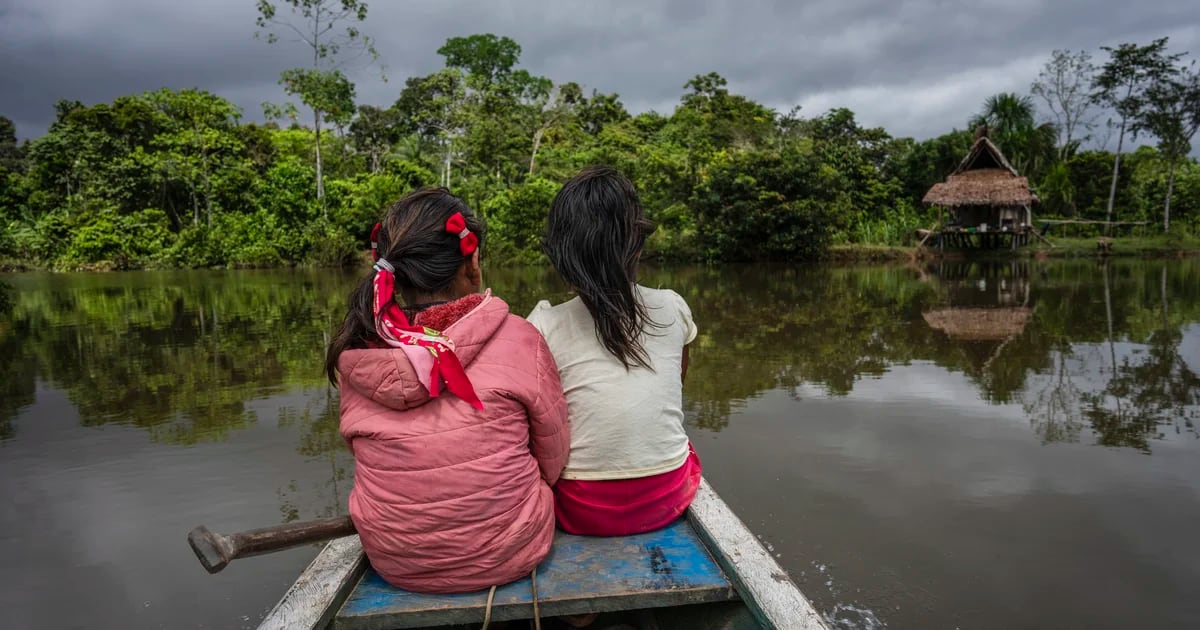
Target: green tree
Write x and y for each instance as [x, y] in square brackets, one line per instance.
[12, 170]
[1090, 174]
[601, 110]
[318, 24]
[1172, 114]
[198, 138]
[1121, 85]
[928, 162]
[330, 96]
[435, 107]
[766, 205]
[1056, 191]
[373, 133]
[496, 99]
[487, 60]
[709, 118]
[551, 111]
[516, 219]
[11, 154]
[861, 162]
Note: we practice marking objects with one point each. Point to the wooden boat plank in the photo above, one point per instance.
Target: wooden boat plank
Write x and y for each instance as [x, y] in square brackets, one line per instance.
[668, 567]
[765, 587]
[320, 589]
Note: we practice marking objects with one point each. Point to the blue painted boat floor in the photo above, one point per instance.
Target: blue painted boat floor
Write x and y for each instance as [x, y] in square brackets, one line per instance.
[668, 567]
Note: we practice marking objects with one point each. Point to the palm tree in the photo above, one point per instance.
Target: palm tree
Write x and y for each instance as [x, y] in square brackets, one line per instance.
[1011, 123]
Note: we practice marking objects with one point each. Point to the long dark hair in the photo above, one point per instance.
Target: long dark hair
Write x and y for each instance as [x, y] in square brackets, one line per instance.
[594, 238]
[413, 238]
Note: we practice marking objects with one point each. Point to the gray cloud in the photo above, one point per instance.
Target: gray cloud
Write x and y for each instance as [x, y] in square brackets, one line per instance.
[917, 68]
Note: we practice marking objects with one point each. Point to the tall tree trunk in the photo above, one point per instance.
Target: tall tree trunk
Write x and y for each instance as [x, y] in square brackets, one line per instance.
[1167, 205]
[207, 187]
[1112, 189]
[320, 179]
[166, 202]
[537, 143]
[1112, 346]
[446, 162]
[1163, 289]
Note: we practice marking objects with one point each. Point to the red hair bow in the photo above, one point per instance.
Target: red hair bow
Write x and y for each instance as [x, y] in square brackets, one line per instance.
[467, 241]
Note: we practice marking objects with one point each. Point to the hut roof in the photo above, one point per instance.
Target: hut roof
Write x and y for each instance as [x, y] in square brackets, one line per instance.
[984, 154]
[979, 324]
[982, 187]
[983, 178]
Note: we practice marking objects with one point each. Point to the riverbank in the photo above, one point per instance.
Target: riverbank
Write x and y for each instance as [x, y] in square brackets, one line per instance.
[865, 252]
[1173, 246]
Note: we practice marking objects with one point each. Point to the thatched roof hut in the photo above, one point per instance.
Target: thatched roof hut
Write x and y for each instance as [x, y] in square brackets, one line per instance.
[983, 178]
[984, 203]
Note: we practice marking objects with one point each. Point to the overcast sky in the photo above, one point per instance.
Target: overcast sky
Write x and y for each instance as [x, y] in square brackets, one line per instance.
[916, 68]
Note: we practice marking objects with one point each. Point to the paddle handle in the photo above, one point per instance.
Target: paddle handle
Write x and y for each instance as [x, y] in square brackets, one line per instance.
[215, 551]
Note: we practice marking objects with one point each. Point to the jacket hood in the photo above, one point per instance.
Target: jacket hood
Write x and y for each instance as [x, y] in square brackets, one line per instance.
[388, 375]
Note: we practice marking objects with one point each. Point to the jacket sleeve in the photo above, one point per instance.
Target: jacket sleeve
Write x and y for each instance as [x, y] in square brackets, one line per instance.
[549, 434]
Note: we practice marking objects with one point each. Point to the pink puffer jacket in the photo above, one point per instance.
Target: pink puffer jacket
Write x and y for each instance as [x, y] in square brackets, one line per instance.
[447, 498]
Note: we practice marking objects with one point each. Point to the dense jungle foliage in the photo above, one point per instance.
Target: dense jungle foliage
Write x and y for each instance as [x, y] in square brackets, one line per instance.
[178, 179]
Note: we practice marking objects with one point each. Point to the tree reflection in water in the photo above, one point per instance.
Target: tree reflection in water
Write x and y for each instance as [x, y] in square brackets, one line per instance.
[1079, 345]
[319, 440]
[16, 382]
[1022, 332]
[1149, 390]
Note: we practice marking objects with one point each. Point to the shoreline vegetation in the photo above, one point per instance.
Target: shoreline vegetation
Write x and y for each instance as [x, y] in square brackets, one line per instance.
[1152, 247]
[176, 179]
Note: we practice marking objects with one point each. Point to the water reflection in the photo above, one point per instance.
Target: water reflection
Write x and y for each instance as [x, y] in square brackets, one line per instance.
[151, 402]
[1020, 331]
[319, 441]
[16, 385]
[1151, 389]
[176, 354]
[1080, 345]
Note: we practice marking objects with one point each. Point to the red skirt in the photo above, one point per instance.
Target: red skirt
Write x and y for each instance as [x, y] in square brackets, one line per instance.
[620, 507]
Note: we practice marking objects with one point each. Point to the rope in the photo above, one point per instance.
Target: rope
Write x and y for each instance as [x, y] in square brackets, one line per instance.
[537, 615]
[487, 611]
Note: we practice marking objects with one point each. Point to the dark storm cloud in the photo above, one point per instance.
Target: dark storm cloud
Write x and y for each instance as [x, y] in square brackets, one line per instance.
[917, 68]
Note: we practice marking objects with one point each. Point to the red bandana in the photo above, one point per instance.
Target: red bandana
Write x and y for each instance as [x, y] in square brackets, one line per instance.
[396, 331]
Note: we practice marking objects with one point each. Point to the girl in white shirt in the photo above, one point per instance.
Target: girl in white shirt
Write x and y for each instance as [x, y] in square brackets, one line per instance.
[621, 350]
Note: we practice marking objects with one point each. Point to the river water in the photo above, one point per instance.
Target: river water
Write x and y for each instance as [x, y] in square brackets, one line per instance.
[949, 446]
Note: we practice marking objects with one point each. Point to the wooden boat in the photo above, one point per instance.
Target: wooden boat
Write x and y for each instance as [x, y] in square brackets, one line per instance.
[706, 571]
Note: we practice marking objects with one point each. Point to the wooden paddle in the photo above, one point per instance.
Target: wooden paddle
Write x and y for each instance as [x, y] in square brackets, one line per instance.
[215, 551]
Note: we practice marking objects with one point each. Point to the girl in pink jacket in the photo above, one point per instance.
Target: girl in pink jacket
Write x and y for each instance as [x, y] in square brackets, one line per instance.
[452, 408]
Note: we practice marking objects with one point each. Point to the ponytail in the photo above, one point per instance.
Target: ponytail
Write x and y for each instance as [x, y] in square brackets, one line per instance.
[358, 327]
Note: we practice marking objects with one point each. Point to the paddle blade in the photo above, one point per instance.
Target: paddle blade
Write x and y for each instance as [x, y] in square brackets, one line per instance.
[213, 550]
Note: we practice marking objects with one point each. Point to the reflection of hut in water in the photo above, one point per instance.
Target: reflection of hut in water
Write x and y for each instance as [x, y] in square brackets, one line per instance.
[979, 324]
[985, 302]
[985, 202]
